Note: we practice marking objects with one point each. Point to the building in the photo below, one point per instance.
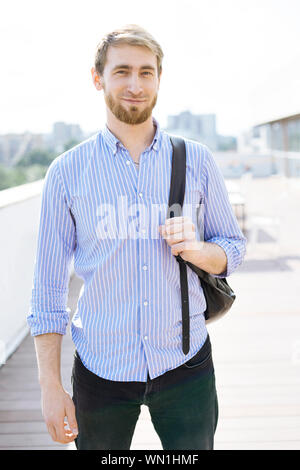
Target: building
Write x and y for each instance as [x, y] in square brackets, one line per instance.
[277, 138]
[200, 127]
[63, 133]
[280, 134]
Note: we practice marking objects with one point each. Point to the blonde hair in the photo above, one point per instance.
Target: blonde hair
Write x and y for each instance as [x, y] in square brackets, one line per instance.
[131, 34]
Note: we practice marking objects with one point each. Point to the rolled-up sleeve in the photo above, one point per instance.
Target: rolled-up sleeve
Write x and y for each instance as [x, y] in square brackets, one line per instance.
[56, 243]
[220, 223]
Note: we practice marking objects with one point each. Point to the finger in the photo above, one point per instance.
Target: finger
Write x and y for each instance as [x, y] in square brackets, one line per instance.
[177, 249]
[71, 418]
[63, 436]
[175, 239]
[180, 237]
[175, 220]
[166, 231]
[57, 436]
[183, 226]
[172, 236]
[186, 226]
[172, 224]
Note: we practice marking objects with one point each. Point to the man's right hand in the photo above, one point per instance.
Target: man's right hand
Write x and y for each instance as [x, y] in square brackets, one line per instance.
[57, 405]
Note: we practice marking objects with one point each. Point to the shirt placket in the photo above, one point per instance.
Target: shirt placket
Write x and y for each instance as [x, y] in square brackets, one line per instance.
[139, 176]
[145, 308]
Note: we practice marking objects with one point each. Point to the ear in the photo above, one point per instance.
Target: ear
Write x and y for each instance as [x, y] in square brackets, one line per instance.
[96, 79]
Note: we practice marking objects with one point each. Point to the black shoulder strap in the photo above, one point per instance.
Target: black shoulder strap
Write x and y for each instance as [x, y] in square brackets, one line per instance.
[176, 198]
[177, 186]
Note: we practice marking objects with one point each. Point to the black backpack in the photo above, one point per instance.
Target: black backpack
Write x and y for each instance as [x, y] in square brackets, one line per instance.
[218, 294]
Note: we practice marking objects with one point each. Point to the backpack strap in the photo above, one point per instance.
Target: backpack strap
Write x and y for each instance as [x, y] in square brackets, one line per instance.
[176, 198]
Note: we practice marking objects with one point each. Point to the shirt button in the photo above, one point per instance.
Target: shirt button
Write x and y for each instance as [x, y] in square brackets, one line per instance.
[145, 268]
[145, 337]
[143, 230]
[141, 194]
[127, 162]
[146, 303]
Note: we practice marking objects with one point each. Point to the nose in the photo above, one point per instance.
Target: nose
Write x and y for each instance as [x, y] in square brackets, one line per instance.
[134, 84]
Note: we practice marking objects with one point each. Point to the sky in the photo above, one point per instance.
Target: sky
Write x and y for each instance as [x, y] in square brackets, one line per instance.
[239, 59]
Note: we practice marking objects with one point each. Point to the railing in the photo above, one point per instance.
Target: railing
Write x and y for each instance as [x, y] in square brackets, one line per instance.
[19, 222]
[19, 213]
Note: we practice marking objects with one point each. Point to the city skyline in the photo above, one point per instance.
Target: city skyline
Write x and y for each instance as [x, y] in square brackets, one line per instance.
[238, 60]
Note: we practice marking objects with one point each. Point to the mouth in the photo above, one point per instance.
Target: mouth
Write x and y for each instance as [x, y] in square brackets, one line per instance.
[129, 100]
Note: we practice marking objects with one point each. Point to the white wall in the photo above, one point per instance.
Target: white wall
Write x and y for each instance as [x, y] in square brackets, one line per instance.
[19, 221]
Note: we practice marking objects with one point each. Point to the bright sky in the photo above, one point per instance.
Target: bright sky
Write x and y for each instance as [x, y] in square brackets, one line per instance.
[239, 59]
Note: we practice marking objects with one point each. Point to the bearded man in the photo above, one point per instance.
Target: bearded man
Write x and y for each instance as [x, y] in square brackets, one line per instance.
[127, 328]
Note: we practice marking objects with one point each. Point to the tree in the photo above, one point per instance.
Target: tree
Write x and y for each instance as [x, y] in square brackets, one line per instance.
[37, 156]
[10, 177]
[71, 143]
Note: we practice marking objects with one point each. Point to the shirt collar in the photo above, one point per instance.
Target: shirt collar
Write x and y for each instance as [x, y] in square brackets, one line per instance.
[114, 143]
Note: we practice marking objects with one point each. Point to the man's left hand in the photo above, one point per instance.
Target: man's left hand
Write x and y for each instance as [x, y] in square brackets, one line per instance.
[180, 235]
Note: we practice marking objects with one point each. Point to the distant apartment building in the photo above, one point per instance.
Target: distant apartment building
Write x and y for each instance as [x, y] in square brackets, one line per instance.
[200, 127]
[63, 133]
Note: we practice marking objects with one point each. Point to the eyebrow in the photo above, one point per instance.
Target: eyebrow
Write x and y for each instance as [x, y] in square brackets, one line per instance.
[127, 67]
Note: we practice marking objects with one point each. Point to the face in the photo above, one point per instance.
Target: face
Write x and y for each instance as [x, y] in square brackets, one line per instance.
[130, 83]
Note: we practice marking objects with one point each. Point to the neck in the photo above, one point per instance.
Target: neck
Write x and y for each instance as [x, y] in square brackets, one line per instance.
[131, 136]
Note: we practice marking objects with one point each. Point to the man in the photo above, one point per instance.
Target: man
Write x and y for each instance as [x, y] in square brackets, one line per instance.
[127, 326]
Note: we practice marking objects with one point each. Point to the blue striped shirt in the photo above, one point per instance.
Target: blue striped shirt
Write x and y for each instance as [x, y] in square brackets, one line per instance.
[100, 208]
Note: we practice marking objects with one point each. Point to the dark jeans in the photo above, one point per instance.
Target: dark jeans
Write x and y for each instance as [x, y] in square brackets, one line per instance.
[182, 403]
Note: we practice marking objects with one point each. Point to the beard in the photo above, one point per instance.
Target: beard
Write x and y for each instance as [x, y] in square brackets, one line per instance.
[133, 115]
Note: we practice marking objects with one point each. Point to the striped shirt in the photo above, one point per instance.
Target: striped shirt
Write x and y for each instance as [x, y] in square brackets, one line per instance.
[100, 208]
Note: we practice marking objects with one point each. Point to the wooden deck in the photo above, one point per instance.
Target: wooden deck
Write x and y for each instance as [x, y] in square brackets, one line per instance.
[256, 350]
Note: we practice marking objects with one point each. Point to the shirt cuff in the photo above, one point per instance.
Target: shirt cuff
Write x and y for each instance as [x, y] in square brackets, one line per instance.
[43, 323]
[232, 255]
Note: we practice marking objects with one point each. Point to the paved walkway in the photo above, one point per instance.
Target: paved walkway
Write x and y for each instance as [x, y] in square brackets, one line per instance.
[256, 351]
